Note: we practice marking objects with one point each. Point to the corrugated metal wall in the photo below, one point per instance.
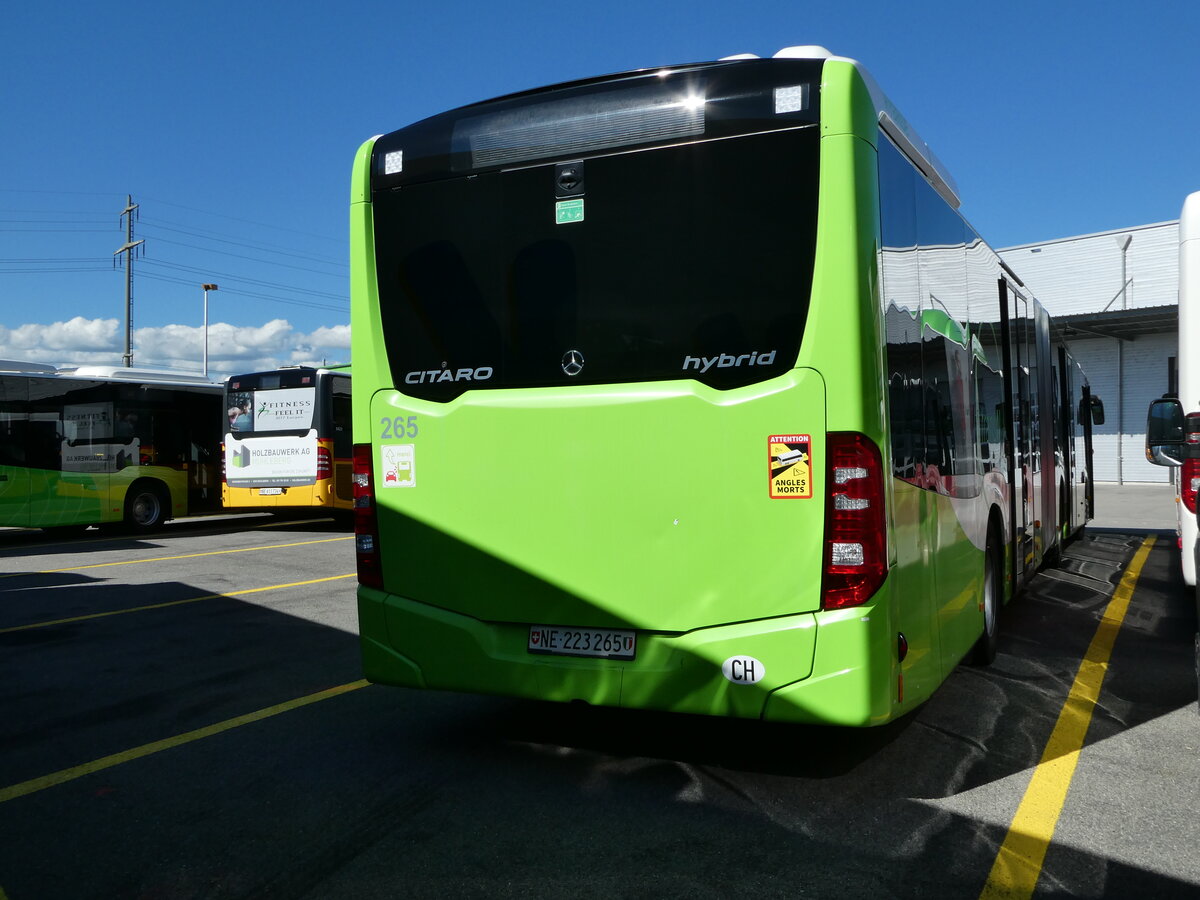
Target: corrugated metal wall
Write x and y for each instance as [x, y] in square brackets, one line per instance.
[1145, 379]
[1083, 274]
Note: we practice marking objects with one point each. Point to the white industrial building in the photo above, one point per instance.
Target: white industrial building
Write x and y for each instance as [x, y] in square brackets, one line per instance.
[1115, 297]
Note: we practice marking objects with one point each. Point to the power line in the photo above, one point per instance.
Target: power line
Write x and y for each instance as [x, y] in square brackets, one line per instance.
[63, 222]
[234, 291]
[54, 259]
[265, 262]
[266, 248]
[323, 237]
[256, 281]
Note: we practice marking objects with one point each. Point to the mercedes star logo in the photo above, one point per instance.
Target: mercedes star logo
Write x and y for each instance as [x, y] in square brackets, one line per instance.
[572, 362]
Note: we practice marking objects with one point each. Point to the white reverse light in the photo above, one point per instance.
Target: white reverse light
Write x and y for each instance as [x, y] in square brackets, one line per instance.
[847, 554]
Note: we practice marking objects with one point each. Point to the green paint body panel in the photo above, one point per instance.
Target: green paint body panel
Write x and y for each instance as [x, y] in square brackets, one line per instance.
[41, 498]
[645, 506]
[604, 506]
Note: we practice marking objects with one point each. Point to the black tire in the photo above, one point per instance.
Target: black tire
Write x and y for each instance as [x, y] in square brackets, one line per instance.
[65, 531]
[984, 650]
[146, 506]
[1198, 672]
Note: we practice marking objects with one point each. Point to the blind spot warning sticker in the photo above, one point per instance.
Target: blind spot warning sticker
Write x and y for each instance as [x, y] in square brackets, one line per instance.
[790, 466]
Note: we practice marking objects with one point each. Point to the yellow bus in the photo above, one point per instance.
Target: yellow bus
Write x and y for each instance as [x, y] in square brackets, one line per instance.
[287, 439]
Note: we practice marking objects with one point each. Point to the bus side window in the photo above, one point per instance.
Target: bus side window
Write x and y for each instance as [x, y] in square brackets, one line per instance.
[342, 435]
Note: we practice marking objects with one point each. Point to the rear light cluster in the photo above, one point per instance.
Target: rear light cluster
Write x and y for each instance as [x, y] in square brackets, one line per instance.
[1189, 482]
[855, 534]
[223, 481]
[324, 463]
[1189, 476]
[366, 522]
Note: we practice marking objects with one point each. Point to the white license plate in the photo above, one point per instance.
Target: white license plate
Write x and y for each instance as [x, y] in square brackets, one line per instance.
[606, 643]
[270, 492]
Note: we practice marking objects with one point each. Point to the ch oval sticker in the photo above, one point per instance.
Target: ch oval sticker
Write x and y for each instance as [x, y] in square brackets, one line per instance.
[743, 670]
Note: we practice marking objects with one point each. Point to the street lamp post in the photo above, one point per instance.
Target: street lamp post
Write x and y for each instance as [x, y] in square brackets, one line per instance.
[207, 288]
[1123, 242]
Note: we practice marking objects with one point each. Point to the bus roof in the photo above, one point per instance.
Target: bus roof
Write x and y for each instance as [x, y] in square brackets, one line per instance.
[1189, 219]
[27, 368]
[141, 376]
[891, 121]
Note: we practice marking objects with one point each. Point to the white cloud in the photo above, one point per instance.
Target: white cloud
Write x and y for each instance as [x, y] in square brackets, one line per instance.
[231, 349]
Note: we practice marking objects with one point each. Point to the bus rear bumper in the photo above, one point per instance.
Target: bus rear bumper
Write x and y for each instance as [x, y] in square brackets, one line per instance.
[412, 644]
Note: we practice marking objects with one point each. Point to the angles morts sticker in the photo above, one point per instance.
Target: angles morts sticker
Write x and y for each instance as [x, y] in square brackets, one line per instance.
[790, 466]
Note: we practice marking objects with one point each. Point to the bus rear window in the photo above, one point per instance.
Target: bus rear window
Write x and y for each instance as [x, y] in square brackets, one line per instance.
[685, 261]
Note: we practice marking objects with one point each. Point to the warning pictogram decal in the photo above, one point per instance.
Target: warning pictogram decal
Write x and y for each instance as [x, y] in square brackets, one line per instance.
[790, 466]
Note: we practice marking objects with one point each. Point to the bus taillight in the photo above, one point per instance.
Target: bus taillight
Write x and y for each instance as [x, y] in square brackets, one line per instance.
[855, 536]
[324, 463]
[366, 524]
[1189, 482]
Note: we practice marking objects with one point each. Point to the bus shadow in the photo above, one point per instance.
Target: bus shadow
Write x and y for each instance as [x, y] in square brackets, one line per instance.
[980, 726]
[32, 542]
[384, 763]
[21, 582]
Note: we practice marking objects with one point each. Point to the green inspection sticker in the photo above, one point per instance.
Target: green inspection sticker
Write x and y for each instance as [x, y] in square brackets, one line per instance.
[568, 211]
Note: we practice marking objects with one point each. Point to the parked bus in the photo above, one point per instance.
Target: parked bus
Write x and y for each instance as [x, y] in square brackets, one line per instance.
[1169, 440]
[690, 389]
[287, 440]
[1173, 423]
[95, 444]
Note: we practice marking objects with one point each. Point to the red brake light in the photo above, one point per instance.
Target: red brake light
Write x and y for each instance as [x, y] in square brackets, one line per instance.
[1189, 482]
[324, 463]
[366, 525]
[855, 532]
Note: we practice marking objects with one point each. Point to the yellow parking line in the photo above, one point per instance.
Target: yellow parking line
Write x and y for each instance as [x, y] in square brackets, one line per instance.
[1018, 865]
[107, 762]
[118, 612]
[286, 522]
[132, 562]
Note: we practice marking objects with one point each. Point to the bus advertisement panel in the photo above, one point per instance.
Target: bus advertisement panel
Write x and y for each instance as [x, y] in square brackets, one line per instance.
[638, 427]
[288, 437]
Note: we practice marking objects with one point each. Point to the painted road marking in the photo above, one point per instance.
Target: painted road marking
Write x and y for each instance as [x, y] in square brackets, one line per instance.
[133, 562]
[132, 609]
[107, 762]
[1018, 865]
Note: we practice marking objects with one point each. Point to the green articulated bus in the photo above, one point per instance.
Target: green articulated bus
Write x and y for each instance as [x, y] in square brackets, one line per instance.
[690, 389]
[90, 445]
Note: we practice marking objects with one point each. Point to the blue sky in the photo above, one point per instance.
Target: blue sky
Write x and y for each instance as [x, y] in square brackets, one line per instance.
[234, 126]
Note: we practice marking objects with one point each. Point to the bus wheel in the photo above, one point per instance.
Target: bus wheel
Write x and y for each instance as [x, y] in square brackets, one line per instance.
[1198, 672]
[985, 648]
[145, 507]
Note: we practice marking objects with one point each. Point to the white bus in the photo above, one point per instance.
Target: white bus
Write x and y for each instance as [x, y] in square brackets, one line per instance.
[1170, 439]
[1173, 425]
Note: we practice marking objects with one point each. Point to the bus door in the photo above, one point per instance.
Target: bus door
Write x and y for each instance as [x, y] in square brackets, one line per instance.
[1046, 442]
[1089, 467]
[1022, 405]
[1073, 504]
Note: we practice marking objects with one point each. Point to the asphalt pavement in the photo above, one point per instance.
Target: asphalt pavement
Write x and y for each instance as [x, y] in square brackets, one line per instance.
[1134, 507]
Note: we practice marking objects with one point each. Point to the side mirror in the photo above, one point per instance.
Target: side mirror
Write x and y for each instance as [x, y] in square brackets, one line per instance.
[1097, 410]
[1164, 432]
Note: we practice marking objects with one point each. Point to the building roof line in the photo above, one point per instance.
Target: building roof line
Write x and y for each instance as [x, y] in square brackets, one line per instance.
[1079, 237]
